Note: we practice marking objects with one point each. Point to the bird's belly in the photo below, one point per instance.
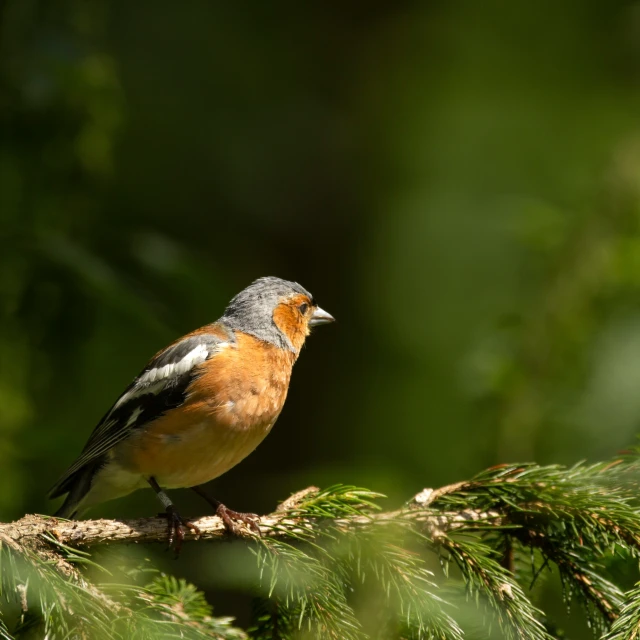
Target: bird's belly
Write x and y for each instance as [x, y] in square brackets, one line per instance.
[198, 452]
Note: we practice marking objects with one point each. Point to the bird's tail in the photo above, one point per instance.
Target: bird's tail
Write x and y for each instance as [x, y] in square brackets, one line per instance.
[76, 486]
[69, 508]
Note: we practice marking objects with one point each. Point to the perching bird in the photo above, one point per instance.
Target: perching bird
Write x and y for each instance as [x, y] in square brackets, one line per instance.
[199, 407]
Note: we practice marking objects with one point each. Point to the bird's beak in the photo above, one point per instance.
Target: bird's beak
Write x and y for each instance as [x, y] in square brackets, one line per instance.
[320, 317]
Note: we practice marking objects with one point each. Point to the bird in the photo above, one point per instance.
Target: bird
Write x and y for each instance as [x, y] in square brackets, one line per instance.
[198, 408]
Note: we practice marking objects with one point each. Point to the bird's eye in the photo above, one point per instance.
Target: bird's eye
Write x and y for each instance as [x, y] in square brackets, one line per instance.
[304, 307]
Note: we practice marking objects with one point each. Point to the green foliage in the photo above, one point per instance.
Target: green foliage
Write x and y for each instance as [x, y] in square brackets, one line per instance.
[486, 579]
[40, 601]
[627, 626]
[335, 562]
[574, 519]
[176, 600]
[314, 578]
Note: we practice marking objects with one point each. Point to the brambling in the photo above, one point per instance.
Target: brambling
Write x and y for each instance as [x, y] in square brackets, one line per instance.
[199, 407]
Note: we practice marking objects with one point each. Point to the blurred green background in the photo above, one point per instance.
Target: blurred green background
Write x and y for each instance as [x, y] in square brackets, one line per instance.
[457, 182]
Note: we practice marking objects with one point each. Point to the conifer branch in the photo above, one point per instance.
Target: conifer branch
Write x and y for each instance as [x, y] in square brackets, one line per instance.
[320, 546]
[282, 523]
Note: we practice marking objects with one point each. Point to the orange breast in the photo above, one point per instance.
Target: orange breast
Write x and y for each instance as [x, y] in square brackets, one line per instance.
[230, 408]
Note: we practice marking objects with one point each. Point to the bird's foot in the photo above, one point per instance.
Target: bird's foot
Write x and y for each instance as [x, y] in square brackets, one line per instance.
[232, 519]
[176, 528]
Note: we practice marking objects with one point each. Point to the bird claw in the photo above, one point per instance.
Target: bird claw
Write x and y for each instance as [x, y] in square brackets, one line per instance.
[231, 519]
[176, 527]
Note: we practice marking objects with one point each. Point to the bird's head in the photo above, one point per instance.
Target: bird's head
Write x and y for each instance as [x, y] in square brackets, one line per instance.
[276, 311]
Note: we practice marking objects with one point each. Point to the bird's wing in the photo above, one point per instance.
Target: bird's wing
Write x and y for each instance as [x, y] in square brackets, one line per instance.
[161, 386]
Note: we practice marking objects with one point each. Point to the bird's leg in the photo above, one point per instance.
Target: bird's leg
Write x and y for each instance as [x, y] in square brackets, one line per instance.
[175, 522]
[229, 517]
